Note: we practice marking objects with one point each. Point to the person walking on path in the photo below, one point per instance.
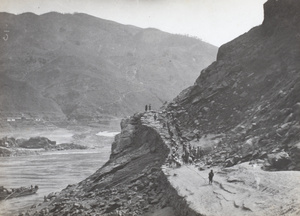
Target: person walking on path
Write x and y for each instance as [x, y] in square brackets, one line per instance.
[146, 108]
[149, 106]
[155, 117]
[210, 177]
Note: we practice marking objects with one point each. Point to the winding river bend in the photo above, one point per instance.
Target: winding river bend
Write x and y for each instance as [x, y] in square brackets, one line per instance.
[51, 171]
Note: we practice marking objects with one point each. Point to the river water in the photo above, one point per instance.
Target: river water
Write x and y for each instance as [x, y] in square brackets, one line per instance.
[51, 171]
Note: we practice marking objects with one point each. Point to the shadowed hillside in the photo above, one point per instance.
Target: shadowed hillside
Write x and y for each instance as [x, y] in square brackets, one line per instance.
[19, 97]
[89, 67]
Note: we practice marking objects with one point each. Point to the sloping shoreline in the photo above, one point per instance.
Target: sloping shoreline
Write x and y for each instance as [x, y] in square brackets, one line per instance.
[15, 152]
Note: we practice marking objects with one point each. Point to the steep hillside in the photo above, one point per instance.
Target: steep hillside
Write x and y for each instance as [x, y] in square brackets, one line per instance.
[250, 95]
[88, 66]
[19, 97]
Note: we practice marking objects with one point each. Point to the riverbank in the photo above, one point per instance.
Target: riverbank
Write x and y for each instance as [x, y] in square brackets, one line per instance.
[51, 171]
[23, 141]
[16, 152]
[63, 133]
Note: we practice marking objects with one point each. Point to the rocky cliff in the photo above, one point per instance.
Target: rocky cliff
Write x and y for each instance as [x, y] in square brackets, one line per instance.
[81, 67]
[250, 94]
[242, 112]
[132, 182]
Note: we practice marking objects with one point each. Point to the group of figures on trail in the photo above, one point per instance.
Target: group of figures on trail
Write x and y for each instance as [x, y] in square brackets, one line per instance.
[191, 154]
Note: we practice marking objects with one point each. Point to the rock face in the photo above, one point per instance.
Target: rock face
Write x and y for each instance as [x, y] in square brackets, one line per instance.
[53, 68]
[280, 14]
[250, 94]
[131, 182]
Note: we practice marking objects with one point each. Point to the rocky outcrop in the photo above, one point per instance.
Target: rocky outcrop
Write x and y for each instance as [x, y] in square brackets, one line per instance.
[130, 183]
[37, 142]
[9, 146]
[280, 14]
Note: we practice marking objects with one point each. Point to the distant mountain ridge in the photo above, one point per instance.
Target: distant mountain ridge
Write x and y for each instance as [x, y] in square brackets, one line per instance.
[88, 67]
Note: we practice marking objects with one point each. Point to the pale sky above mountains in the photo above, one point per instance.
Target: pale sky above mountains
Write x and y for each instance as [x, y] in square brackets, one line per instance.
[213, 21]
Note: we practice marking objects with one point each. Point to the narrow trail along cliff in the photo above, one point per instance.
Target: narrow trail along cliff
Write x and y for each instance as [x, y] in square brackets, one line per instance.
[241, 190]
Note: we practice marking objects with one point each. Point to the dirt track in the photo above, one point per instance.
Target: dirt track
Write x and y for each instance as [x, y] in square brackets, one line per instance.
[244, 189]
[241, 190]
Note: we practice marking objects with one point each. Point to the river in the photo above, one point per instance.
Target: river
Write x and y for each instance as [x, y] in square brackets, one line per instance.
[51, 171]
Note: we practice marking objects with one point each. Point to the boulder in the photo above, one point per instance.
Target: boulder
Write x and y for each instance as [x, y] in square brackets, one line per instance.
[229, 162]
[248, 147]
[279, 160]
[263, 155]
[296, 156]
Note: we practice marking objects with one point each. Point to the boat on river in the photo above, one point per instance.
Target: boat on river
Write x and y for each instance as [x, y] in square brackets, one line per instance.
[17, 192]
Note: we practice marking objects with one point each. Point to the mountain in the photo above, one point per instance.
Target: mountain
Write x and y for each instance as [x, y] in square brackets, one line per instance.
[19, 97]
[88, 67]
[240, 119]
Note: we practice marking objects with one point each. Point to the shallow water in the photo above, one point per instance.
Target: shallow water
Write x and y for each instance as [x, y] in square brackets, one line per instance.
[52, 172]
[107, 134]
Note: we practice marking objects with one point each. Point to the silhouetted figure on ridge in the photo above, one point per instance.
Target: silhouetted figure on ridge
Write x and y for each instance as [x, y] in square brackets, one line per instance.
[149, 106]
[146, 108]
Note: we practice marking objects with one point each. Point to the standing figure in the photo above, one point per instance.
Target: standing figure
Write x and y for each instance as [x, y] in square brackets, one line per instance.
[155, 117]
[197, 136]
[149, 106]
[210, 176]
[146, 108]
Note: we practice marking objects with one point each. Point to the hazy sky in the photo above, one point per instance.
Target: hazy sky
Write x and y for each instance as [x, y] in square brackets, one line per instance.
[214, 21]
